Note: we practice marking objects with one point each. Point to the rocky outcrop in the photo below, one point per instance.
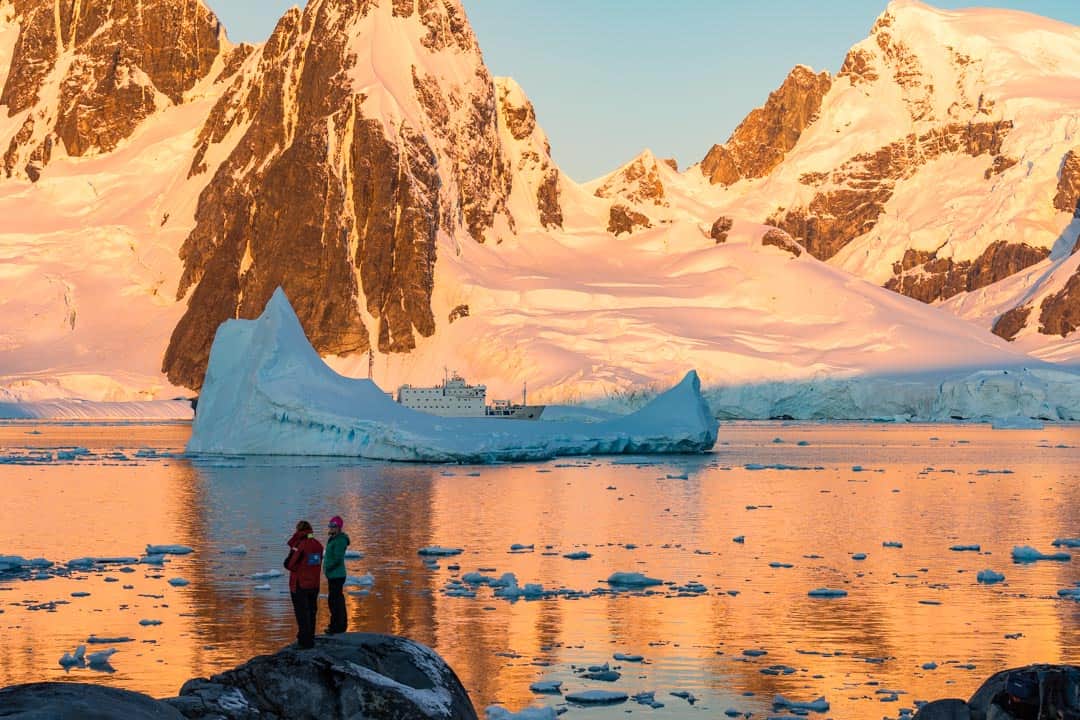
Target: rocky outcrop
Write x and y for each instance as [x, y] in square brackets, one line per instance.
[721, 228]
[1067, 198]
[529, 154]
[337, 199]
[1009, 324]
[1042, 692]
[638, 182]
[778, 238]
[622, 219]
[926, 277]
[858, 67]
[118, 62]
[78, 701]
[346, 677]
[1001, 164]
[1060, 313]
[761, 141]
[862, 186]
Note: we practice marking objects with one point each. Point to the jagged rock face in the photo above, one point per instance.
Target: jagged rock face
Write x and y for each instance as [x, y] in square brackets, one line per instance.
[721, 228]
[335, 199]
[622, 219]
[862, 185]
[639, 182]
[858, 67]
[1060, 312]
[926, 277]
[1011, 323]
[530, 154]
[66, 701]
[122, 59]
[1067, 198]
[762, 140]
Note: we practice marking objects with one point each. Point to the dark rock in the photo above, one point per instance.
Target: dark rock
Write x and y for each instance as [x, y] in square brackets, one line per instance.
[1054, 689]
[547, 200]
[1001, 164]
[866, 182]
[721, 228]
[1012, 322]
[780, 239]
[1067, 198]
[761, 141]
[461, 311]
[1060, 312]
[944, 710]
[622, 219]
[926, 277]
[77, 701]
[858, 67]
[350, 676]
[638, 182]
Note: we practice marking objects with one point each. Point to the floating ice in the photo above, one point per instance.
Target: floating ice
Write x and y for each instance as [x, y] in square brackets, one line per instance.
[578, 555]
[820, 705]
[152, 560]
[236, 550]
[178, 582]
[438, 551]
[101, 659]
[149, 623]
[966, 548]
[95, 640]
[631, 579]
[496, 712]
[929, 666]
[858, 556]
[264, 587]
[1016, 423]
[892, 544]
[825, 592]
[739, 539]
[266, 372]
[168, 550]
[72, 659]
[623, 657]
[365, 580]
[597, 697]
[990, 577]
[353, 555]
[685, 695]
[519, 548]
[547, 687]
[1067, 542]
[1026, 553]
[267, 575]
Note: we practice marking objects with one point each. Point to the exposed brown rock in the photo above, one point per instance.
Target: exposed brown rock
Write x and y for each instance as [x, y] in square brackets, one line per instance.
[780, 239]
[639, 182]
[1060, 313]
[547, 200]
[122, 55]
[858, 67]
[671, 163]
[1008, 325]
[865, 183]
[813, 178]
[1067, 198]
[937, 278]
[624, 220]
[234, 61]
[1001, 164]
[721, 228]
[461, 311]
[520, 119]
[762, 140]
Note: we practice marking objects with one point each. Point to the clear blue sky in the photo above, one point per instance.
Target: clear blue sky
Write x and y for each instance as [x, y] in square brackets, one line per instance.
[611, 77]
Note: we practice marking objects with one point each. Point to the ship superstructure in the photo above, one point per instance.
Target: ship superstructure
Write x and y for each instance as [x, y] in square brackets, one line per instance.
[456, 398]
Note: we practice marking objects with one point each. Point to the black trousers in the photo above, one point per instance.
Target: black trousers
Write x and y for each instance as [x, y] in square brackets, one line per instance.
[305, 606]
[336, 600]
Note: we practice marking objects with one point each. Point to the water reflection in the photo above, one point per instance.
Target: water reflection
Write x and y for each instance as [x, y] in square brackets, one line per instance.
[926, 487]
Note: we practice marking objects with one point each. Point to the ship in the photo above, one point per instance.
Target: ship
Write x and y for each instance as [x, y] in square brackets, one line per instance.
[454, 397]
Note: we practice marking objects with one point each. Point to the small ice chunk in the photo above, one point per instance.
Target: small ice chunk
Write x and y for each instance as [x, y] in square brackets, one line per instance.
[263, 587]
[95, 640]
[80, 594]
[1067, 542]
[547, 687]
[168, 550]
[153, 560]
[497, 712]
[824, 592]
[989, 577]
[267, 575]
[353, 555]
[597, 697]
[739, 539]
[929, 666]
[518, 548]
[72, 659]
[178, 582]
[821, 705]
[623, 657]
[892, 544]
[235, 550]
[578, 555]
[365, 580]
[101, 659]
[966, 548]
[632, 579]
[149, 623]
[1026, 553]
[858, 556]
[439, 551]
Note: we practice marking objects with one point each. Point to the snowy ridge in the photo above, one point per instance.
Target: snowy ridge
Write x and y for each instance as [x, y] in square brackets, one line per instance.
[89, 410]
[266, 372]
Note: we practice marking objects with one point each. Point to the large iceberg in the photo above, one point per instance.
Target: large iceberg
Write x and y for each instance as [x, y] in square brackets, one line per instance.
[267, 392]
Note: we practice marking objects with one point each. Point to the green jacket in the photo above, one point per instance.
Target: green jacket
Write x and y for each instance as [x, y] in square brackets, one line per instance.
[334, 556]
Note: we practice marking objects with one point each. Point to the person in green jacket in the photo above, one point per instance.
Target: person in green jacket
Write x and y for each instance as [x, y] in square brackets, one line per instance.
[334, 569]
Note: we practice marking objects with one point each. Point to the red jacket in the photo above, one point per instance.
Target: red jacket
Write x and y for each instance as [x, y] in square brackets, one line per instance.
[305, 562]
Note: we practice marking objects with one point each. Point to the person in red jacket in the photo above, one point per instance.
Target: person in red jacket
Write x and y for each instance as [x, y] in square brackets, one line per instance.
[304, 564]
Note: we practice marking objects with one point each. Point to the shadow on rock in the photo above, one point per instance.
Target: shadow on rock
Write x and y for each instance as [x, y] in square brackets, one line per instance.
[78, 701]
[1035, 692]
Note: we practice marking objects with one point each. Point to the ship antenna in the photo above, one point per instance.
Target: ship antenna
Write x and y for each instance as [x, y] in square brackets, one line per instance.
[524, 392]
[371, 364]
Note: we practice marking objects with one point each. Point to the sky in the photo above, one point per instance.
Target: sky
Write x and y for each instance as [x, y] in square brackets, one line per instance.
[610, 78]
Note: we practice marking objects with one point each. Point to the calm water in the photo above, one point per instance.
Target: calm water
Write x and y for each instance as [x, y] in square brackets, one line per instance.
[928, 487]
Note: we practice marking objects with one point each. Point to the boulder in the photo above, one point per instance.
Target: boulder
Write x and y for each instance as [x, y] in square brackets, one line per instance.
[77, 701]
[1054, 689]
[951, 709]
[349, 676]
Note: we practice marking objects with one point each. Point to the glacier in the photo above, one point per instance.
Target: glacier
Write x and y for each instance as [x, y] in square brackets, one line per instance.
[268, 392]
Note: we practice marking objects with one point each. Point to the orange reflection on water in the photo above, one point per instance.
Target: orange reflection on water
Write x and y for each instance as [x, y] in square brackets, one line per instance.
[928, 487]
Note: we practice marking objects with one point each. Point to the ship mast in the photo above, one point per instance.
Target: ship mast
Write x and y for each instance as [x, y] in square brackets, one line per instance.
[371, 364]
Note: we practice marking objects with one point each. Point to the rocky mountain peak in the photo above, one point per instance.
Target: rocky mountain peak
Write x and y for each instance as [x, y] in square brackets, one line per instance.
[763, 139]
[83, 75]
[536, 193]
[640, 181]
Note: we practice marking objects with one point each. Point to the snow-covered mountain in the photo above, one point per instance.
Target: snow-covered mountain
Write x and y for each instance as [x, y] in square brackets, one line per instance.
[364, 159]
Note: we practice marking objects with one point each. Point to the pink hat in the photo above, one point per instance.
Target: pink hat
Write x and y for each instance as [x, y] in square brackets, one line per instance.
[336, 521]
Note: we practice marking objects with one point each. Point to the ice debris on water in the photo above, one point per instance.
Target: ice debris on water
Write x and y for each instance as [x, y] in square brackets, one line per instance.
[353, 555]
[95, 640]
[168, 550]
[632, 579]
[101, 659]
[547, 687]
[78, 658]
[966, 548]
[178, 582]
[821, 705]
[365, 580]
[824, 592]
[990, 577]
[578, 555]
[267, 575]
[235, 550]
[439, 551]
[892, 544]
[624, 657]
[597, 697]
[149, 623]
[1026, 553]
[497, 712]
[1060, 542]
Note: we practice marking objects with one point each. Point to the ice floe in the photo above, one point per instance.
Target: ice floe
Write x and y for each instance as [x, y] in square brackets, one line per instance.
[1026, 554]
